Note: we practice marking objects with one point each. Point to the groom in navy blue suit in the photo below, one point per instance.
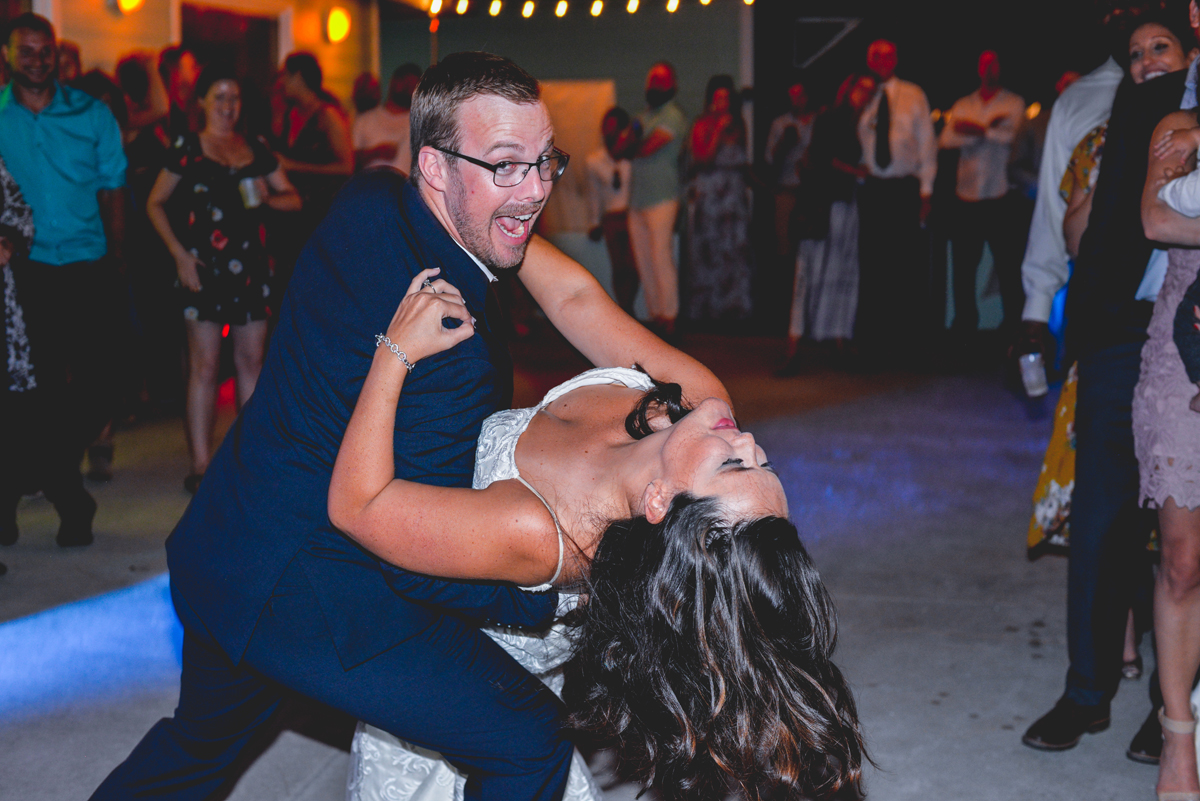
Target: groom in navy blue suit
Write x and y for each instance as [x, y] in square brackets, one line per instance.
[270, 594]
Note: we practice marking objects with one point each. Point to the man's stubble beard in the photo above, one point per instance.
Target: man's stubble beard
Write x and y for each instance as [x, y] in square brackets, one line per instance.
[479, 243]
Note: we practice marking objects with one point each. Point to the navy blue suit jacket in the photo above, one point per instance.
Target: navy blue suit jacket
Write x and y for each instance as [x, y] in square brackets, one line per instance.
[263, 500]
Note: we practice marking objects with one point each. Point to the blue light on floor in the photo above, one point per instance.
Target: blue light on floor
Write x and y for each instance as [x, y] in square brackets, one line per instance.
[99, 649]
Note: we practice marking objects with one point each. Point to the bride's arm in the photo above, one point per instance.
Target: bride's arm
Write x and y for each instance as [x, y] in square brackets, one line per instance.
[497, 534]
[584, 313]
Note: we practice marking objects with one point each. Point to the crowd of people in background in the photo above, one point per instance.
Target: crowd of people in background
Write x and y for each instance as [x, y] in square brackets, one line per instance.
[135, 201]
[149, 216]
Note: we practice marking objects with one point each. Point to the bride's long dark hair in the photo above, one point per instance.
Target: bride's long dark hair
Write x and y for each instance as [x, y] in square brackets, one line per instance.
[704, 652]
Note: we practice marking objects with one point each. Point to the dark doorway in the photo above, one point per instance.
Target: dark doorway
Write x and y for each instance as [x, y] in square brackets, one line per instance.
[248, 43]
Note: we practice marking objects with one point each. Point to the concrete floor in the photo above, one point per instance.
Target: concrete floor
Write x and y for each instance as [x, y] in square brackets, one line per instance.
[913, 494]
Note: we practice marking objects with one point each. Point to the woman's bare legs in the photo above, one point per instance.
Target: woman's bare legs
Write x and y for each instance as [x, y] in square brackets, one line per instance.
[204, 361]
[1131, 651]
[249, 348]
[1177, 634]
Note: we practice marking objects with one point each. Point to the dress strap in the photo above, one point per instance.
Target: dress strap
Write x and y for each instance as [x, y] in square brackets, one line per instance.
[558, 528]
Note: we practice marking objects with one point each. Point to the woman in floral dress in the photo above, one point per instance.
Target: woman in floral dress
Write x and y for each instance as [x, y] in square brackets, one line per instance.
[217, 184]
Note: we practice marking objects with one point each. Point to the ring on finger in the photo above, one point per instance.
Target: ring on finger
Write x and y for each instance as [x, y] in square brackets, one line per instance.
[427, 284]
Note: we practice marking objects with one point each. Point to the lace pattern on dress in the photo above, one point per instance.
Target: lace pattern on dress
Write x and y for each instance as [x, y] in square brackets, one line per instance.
[1166, 433]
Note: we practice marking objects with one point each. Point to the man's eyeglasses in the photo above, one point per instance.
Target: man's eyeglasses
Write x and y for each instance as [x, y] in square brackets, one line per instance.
[510, 173]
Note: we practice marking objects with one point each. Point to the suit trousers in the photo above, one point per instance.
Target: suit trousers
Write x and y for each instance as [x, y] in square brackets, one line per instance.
[651, 232]
[84, 310]
[1109, 564]
[893, 288]
[995, 221]
[449, 688]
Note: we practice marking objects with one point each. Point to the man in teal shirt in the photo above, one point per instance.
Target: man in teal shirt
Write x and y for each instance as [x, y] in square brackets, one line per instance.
[64, 149]
[654, 197]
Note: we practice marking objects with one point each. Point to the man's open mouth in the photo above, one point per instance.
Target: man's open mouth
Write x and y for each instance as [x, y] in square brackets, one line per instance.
[516, 226]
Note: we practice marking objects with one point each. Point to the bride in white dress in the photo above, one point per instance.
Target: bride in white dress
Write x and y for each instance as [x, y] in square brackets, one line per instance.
[705, 642]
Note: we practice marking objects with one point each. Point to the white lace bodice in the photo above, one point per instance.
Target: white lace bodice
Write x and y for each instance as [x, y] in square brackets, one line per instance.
[386, 768]
[496, 452]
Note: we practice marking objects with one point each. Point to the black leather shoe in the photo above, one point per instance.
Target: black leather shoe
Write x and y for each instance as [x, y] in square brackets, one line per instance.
[1146, 746]
[1061, 727]
[75, 528]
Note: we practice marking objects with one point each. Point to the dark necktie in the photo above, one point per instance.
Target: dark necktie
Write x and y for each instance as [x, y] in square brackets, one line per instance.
[494, 330]
[883, 130]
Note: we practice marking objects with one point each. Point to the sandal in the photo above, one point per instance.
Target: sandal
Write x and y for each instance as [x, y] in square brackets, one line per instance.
[1177, 727]
[1132, 670]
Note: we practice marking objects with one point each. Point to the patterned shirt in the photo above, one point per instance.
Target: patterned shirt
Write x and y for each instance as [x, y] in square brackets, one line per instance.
[16, 225]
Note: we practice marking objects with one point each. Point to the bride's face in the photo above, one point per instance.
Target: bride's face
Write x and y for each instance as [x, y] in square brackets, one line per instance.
[705, 454]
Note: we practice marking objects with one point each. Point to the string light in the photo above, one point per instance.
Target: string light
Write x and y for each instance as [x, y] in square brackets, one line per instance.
[494, 8]
[1035, 108]
[597, 7]
[435, 7]
[527, 9]
[560, 10]
[748, 2]
[631, 6]
[461, 8]
[705, 2]
[672, 5]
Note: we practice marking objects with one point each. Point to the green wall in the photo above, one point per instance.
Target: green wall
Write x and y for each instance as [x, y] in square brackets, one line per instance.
[700, 41]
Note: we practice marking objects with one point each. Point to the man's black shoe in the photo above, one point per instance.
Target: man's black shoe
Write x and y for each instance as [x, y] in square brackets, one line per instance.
[1061, 727]
[1146, 746]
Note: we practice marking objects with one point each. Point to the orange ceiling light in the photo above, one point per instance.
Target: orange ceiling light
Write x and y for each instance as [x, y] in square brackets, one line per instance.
[337, 24]
[126, 6]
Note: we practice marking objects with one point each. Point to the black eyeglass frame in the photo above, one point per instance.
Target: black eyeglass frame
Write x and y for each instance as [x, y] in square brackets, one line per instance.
[494, 169]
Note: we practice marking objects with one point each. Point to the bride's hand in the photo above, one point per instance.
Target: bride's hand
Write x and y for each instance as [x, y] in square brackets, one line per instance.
[417, 326]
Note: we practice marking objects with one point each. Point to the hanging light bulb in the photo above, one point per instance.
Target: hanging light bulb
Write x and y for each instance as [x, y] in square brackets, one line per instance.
[435, 7]
[672, 6]
[631, 6]
[705, 2]
[494, 8]
[748, 2]
[461, 8]
[527, 9]
[597, 7]
[560, 10]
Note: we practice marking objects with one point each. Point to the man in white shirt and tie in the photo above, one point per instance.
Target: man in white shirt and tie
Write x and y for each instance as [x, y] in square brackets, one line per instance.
[893, 205]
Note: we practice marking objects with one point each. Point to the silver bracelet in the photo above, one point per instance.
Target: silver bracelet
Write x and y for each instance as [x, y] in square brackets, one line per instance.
[380, 339]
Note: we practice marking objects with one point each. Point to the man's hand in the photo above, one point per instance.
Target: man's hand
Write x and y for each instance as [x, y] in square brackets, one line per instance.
[1034, 337]
[926, 207]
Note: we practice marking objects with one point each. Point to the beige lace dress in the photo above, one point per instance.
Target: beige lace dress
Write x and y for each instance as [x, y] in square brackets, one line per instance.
[1166, 432]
